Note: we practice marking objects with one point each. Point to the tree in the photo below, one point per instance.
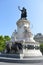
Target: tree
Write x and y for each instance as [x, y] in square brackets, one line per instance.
[41, 48]
[3, 40]
[2, 43]
[7, 38]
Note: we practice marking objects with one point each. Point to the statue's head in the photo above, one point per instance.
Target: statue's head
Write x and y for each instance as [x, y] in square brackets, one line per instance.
[23, 8]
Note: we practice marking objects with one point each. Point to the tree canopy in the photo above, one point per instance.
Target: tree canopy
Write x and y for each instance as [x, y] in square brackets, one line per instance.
[3, 40]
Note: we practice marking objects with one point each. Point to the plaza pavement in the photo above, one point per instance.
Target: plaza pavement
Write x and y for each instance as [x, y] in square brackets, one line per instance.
[4, 63]
[22, 60]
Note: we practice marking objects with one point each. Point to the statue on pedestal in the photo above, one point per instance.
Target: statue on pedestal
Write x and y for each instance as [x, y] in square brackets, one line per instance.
[23, 12]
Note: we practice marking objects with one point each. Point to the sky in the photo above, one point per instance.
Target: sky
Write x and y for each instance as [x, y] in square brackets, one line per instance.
[9, 15]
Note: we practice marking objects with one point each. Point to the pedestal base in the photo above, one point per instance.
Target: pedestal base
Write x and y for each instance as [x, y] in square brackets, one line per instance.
[33, 52]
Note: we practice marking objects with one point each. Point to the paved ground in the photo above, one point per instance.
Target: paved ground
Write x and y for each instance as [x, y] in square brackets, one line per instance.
[31, 61]
[3, 63]
[24, 60]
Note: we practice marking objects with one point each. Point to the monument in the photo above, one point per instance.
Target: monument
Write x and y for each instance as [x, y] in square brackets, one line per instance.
[22, 39]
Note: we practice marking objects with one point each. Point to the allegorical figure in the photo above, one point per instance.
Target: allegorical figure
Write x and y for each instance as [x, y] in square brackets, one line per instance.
[23, 12]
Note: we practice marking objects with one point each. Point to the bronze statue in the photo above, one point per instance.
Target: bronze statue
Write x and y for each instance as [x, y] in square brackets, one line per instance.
[23, 12]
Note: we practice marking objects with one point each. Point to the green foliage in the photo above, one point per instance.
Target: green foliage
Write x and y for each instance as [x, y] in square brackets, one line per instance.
[3, 40]
[7, 38]
[41, 47]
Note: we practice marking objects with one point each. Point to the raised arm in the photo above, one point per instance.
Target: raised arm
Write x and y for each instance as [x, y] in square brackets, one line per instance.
[19, 8]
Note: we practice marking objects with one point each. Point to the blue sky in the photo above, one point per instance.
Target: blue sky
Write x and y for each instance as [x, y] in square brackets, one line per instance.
[9, 14]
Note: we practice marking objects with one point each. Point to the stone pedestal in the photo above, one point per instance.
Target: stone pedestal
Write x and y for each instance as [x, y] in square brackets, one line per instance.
[25, 37]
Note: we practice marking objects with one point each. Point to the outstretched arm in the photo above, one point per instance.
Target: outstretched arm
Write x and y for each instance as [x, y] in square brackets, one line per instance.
[19, 8]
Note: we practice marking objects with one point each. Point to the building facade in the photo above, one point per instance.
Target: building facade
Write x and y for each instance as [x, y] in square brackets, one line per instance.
[39, 37]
